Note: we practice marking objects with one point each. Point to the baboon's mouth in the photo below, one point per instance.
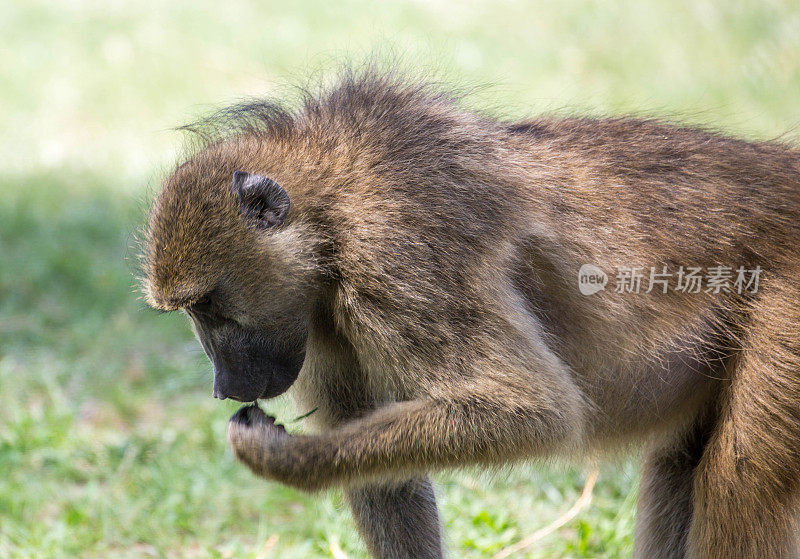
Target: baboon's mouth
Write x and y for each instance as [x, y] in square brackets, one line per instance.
[248, 365]
[277, 386]
[283, 376]
[256, 383]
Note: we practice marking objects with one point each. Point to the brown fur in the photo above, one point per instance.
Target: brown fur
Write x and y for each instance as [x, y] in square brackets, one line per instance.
[430, 262]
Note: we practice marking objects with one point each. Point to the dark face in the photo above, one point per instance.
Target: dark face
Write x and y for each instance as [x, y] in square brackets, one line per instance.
[248, 363]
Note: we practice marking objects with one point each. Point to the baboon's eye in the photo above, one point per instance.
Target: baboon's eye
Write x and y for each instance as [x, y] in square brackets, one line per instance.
[203, 304]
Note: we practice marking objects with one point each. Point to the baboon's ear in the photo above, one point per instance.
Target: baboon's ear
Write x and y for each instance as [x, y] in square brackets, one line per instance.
[261, 199]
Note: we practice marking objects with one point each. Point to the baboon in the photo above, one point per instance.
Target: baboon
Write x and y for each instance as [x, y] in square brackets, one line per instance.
[411, 269]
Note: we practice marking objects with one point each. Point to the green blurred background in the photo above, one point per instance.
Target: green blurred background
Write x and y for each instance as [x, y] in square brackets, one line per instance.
[110, 443]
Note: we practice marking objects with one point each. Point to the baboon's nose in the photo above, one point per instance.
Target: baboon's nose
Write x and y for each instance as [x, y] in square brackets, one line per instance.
[218, 394]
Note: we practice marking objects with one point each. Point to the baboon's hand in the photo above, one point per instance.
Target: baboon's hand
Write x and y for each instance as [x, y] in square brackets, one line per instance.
[256, 438]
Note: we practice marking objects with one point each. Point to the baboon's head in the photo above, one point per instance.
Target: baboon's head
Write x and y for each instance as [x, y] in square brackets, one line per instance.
[224, 246]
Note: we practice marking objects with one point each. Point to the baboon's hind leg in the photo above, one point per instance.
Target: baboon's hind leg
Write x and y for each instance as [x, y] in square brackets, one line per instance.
[748, 481]
[665, 494]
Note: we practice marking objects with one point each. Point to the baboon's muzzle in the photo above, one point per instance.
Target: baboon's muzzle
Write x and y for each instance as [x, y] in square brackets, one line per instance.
[247, 364]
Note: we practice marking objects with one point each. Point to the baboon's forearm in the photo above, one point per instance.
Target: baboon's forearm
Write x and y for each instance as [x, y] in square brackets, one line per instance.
[398, 520]
[410, 437]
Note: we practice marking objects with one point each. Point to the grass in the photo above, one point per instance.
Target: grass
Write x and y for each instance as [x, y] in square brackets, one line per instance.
[110, 444]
